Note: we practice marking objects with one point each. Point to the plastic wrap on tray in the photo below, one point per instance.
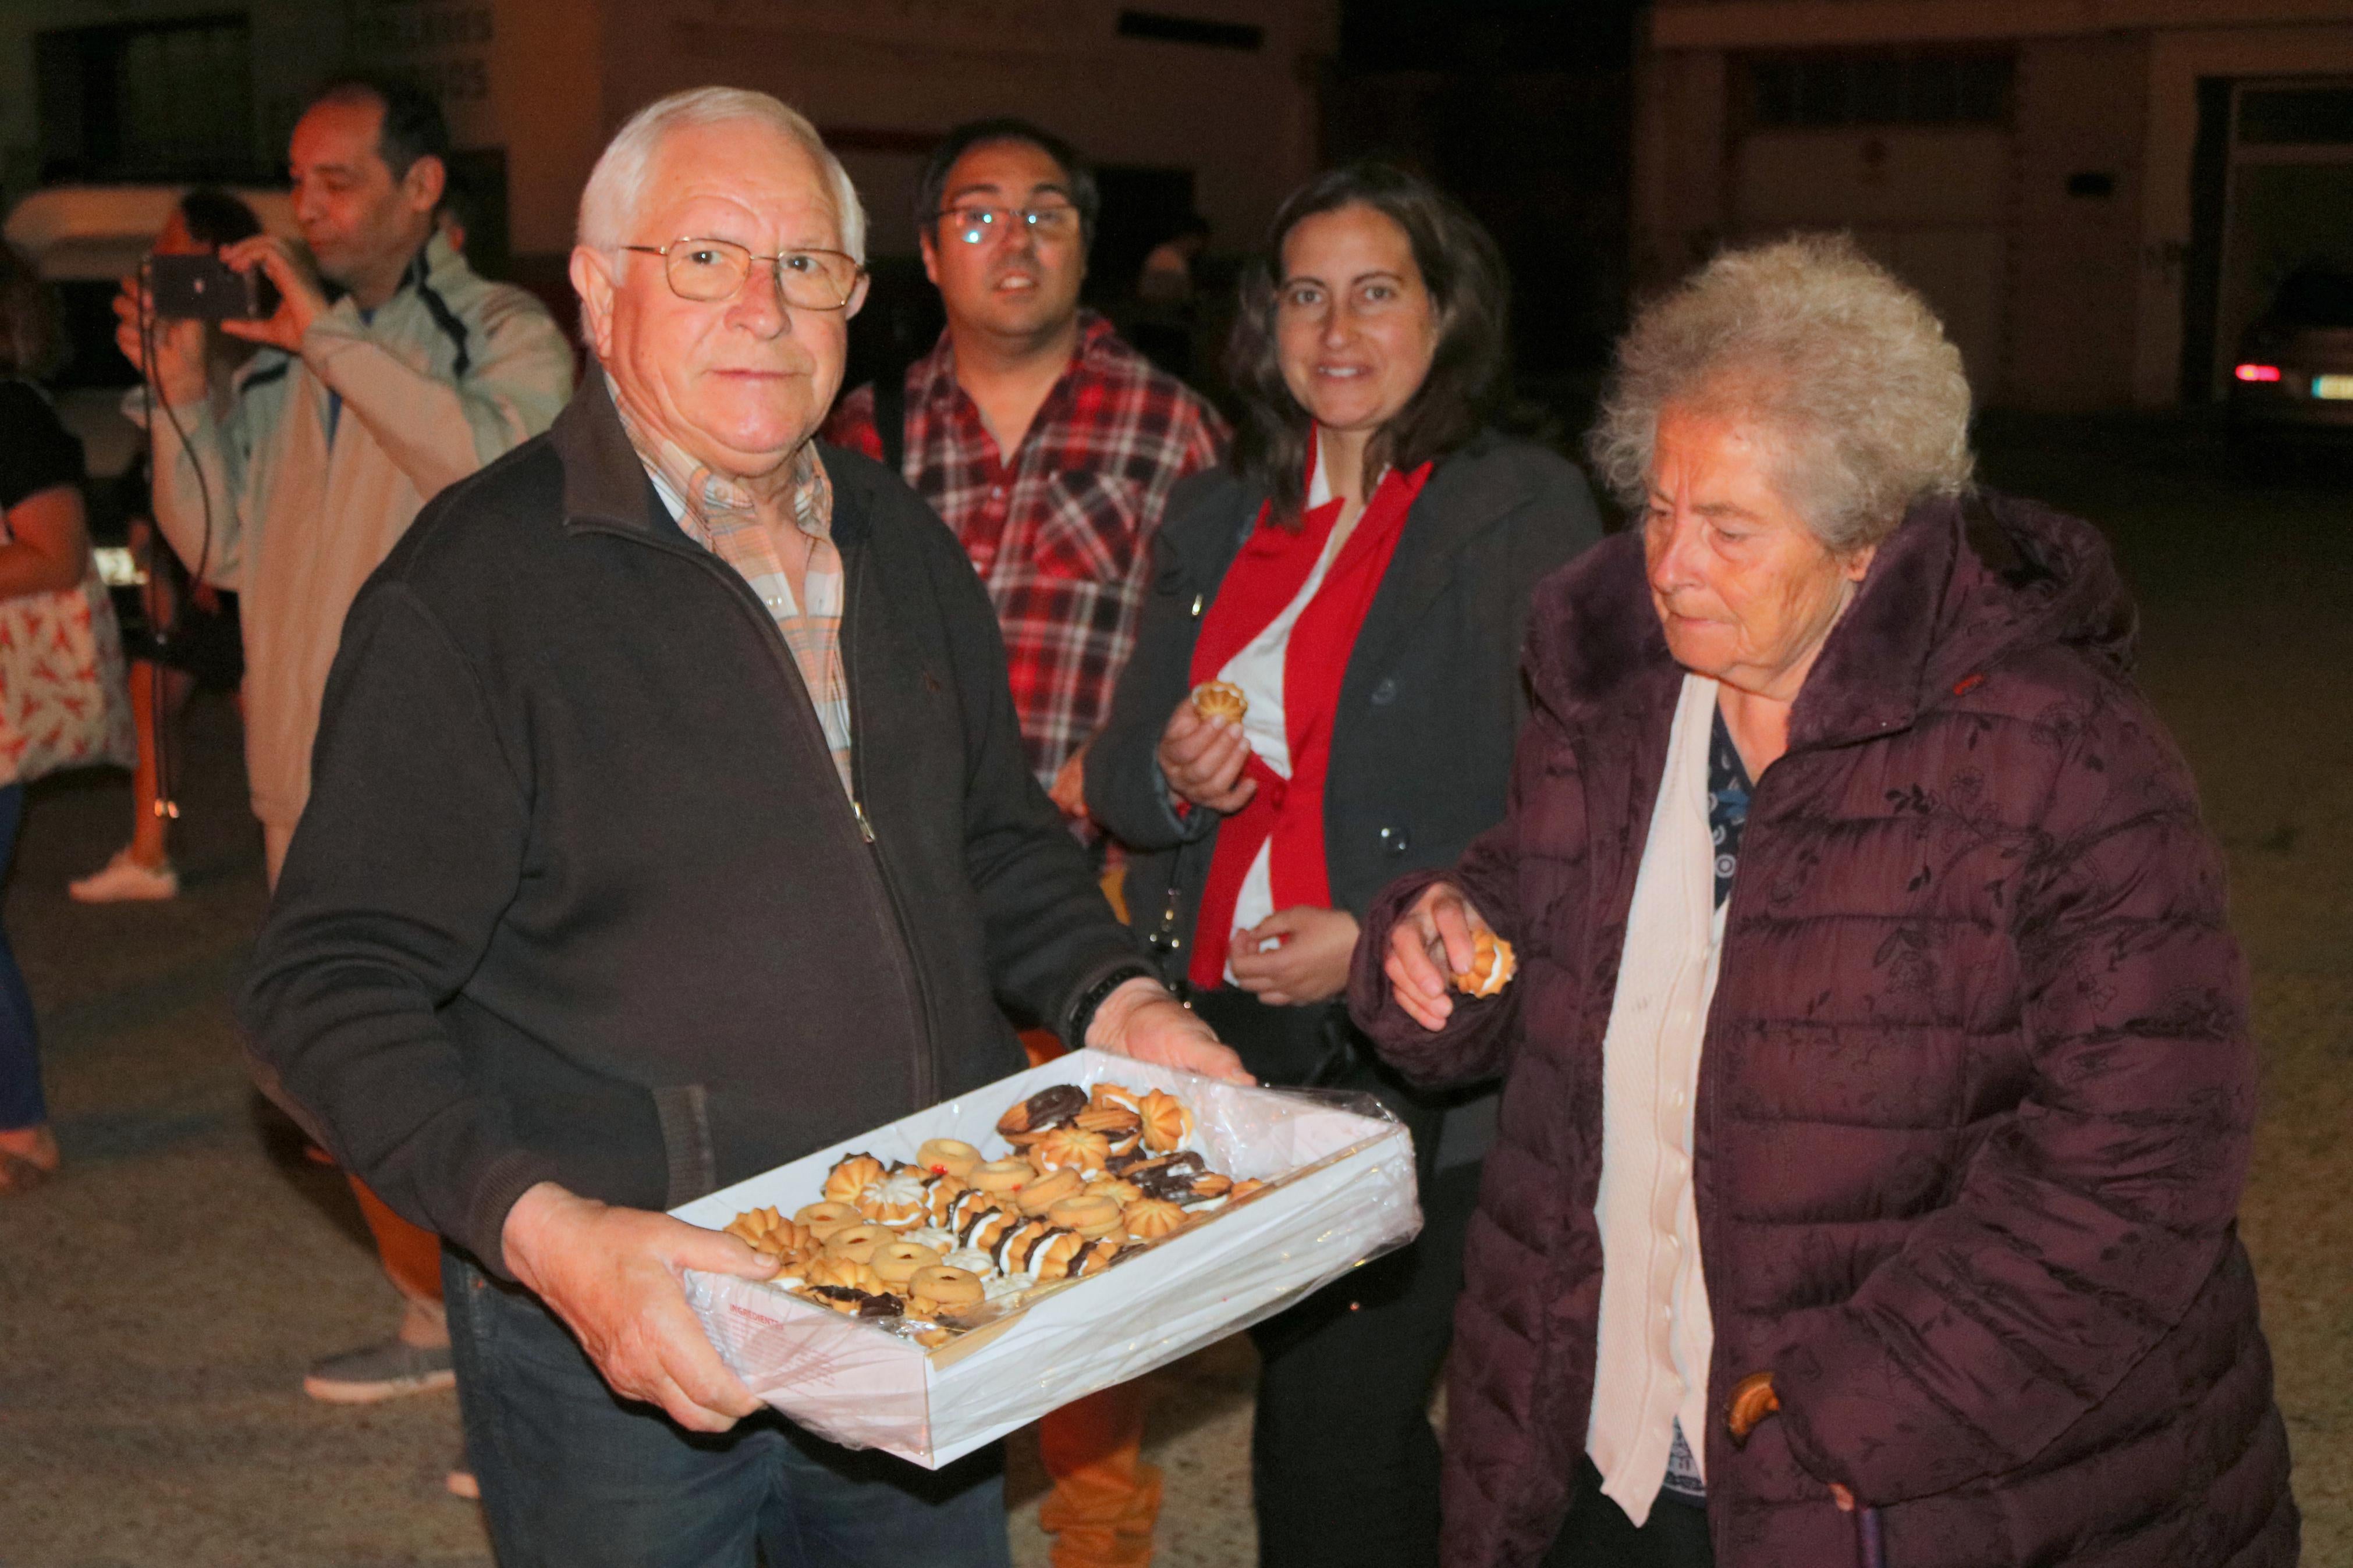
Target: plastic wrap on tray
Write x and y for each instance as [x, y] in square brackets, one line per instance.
[1341, 1190]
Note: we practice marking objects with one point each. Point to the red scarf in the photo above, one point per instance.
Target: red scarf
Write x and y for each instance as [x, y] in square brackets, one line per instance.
[1275, 564]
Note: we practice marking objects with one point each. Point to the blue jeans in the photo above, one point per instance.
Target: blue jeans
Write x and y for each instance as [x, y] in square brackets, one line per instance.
[20, 1058]
[573, 1477]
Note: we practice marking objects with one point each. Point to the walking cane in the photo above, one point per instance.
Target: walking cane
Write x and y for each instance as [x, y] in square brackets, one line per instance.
[1753, 1399]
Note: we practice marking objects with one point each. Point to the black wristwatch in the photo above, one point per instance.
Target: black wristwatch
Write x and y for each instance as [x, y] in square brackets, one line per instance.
[1082, 1013]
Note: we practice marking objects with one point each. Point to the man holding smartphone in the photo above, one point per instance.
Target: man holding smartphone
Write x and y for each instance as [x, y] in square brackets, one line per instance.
[352, 416]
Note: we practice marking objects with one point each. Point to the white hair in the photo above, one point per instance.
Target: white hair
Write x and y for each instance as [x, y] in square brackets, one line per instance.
[1845, 372]
[608, 203]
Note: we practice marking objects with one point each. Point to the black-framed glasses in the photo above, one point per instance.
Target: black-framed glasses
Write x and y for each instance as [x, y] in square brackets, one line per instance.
[708, 271]
[978, 224]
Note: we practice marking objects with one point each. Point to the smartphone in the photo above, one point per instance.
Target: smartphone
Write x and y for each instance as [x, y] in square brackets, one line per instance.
[207, 288]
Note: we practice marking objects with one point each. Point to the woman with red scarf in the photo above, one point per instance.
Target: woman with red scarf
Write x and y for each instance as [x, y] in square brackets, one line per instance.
[1363, 576]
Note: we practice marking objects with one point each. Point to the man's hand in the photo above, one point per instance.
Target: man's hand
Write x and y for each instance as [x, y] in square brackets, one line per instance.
[300, 303]
[177, 374]
[612, 1275]
[1069, 793]
[1203, 760]
[1431, 943]
[1307, 962]
[1142, 1020]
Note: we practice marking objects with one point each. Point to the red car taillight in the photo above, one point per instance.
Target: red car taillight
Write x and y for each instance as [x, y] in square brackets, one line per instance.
[2258, 373]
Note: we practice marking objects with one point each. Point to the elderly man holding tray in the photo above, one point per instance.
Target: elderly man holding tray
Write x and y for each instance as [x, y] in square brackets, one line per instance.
[671, 822]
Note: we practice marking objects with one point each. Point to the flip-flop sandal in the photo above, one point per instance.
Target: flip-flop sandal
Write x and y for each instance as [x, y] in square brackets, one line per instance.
[18, 1174]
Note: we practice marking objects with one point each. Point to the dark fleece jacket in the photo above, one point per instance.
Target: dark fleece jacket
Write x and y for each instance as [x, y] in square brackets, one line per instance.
[1974, 1102]
[579, 896]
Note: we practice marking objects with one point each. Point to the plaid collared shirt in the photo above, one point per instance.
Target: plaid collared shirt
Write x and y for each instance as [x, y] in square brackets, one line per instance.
[716, 512]
[1061, 534]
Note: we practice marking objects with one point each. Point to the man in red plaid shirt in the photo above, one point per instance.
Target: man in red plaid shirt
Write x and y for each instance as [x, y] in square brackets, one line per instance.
[1050, 446]
[1046, 442]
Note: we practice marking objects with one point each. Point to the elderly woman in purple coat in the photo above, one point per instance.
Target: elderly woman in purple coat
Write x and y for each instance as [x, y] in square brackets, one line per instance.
[1879, 1078]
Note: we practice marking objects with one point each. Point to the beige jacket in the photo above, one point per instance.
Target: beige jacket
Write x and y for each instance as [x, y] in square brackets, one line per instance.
[447, 374]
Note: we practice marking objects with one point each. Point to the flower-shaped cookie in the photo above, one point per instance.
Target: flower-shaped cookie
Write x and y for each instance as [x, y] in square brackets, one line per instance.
[1167, 1121]
[852, 1175]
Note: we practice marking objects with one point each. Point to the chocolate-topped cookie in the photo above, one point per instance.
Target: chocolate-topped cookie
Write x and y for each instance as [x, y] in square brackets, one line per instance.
[1171, 1177]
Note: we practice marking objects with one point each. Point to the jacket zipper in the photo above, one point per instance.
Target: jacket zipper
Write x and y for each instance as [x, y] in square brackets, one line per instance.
[853, 577]
[732, 581]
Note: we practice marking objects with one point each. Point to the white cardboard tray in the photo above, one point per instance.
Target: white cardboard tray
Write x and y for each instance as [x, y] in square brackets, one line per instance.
[1346, 1194]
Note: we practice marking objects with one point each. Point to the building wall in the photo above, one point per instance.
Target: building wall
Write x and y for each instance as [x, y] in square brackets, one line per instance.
[884, 78]
[548, 80]
[2088, 280]
[2082, 111]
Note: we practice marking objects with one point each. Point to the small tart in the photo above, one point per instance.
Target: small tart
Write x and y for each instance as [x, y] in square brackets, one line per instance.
[947, 1288]
[1122, 1129]
[823, 1219]
[1492, 966]
[1091, 1217]
[1220, 700]
[940, 1194]
[1001, 1178]
[766, 1231]
[1117, 1189]
[849, 1273]
[973, 1260]
[1070, 1147]
[1052, 1259]
[896, 1200]
[1115, 1097]
[895, 1262]
[1049, 1107]
[1097, 1257]
[851, 1176]
[1042, 1192]
[847, 1299]
[1152, 1218]
[1167, 1121]
[986, 1227]
[858, 1242]
[1011, 1253]
[948, 1156]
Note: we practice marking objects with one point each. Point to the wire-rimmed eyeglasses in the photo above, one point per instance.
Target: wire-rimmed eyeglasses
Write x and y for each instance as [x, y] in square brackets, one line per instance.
[979, 224]
[708, 271]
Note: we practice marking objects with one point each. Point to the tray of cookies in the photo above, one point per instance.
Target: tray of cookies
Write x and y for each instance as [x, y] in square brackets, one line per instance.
[955, 1274]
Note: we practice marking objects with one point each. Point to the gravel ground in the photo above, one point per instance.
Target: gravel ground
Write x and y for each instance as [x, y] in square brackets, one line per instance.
[151, 1346]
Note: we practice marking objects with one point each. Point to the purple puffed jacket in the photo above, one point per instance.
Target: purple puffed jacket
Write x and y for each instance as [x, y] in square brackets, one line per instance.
[1975, 1099]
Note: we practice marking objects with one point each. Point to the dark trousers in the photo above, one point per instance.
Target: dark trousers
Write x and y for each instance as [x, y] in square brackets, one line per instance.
[1344, 1465]
[1597, 1534]
[21, 1104]
[575, 1477]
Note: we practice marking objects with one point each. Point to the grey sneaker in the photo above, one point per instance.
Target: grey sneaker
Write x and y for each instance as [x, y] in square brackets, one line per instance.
[385, 1371]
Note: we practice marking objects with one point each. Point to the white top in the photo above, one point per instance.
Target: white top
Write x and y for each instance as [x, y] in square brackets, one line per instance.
[1257, 671]
[1656, 1332]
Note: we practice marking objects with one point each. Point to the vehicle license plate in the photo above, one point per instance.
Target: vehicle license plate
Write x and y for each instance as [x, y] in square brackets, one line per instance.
[2335, 388]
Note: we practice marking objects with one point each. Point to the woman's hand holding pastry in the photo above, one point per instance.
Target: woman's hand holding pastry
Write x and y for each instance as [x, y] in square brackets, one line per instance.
[1203, 760]
[1295, 957]
[1433, 940]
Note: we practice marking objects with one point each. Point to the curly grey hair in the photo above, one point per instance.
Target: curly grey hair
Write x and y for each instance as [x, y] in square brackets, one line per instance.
[1843, 371]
